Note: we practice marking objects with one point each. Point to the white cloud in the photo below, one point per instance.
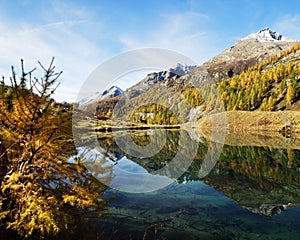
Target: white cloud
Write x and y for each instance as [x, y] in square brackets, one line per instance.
[74, 53]
[182, 32]
[67, 10]
[70, 34]
[63, 36]
[289, 25]
[64, 31]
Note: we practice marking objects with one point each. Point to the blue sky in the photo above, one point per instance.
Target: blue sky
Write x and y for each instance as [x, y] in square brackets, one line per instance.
[83, 34]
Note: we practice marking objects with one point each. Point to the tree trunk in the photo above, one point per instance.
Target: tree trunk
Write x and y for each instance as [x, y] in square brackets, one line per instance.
[3, 162]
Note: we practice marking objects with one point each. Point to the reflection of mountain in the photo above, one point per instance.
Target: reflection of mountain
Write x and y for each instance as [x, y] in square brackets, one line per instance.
[141, 138]
[261, 179]
[114, 156]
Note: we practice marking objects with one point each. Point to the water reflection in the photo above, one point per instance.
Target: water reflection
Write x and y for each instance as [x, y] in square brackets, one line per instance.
[251, 192]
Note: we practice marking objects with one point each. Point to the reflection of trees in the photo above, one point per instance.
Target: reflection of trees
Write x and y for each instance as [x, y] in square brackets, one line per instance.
[279, 166]
[42, 192]
[252, 176]
[261, 179]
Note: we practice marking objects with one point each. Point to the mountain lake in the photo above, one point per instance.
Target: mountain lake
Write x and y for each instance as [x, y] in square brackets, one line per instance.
[241, 192]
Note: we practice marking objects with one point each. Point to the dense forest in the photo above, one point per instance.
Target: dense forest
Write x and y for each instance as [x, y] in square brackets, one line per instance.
[268, 86]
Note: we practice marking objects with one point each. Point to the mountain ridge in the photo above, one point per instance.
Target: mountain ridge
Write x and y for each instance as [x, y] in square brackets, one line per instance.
[177, 92]
[155, 77]
[246, 52]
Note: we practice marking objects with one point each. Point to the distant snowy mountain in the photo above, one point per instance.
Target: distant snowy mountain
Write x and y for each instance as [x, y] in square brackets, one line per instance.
[97, 96]
[266, 35]
[112, 92]
[160, 86]
[143, 85]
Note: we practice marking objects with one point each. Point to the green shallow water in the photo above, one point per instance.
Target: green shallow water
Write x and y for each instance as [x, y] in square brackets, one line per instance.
[192, 211]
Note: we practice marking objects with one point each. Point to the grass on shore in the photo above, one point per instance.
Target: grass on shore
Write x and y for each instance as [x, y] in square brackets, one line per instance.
[257, 128]
[245, 121]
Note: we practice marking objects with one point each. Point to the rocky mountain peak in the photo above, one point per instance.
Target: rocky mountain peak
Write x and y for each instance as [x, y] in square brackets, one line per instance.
[181, 69]
[155, 77]
[267, 35]
[246, 52]
[113, 91]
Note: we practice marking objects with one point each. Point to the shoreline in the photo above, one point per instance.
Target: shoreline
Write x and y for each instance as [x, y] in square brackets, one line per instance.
[256, 121]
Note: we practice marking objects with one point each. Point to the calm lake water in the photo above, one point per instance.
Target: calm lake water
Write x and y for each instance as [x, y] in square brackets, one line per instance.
[250, 192]
[176, 184]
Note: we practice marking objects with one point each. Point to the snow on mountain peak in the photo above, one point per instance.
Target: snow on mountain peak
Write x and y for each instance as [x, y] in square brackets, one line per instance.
[113, 91]
[267, 35]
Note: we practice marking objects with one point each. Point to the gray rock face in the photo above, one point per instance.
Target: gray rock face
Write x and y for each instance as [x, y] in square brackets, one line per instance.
[269, 209]
[153, 78]
[182, 69]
